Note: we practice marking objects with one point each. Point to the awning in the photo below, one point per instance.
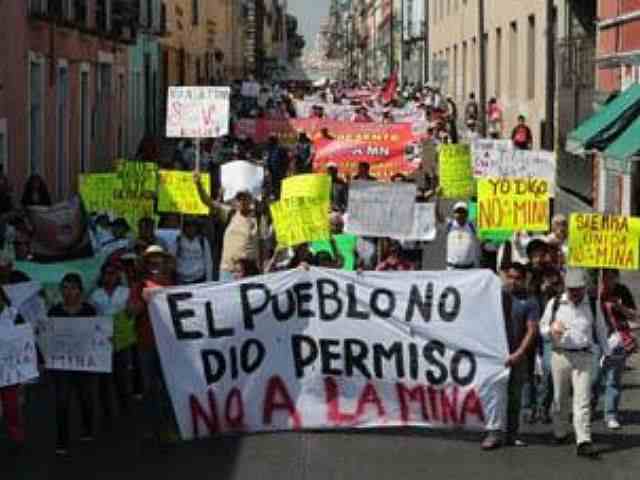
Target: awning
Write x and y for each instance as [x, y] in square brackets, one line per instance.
[627, 146]
[606, 125]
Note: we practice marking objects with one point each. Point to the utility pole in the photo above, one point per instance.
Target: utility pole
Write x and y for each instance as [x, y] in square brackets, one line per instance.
[550, 93]
[425, 52]
[482, 54]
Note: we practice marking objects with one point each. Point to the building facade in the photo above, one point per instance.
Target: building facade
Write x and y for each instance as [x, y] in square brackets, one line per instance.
[63, 89]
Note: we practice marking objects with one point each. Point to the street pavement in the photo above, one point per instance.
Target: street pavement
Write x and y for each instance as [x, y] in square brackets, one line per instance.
[121, 452]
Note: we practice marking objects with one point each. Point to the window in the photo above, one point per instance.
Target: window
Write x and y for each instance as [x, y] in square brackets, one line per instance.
[84, 119]
[513, 59]
[455, 71]
[4, 147]
[62, 128]
[465, 59]
[36, 113]
[474, 64]
[531, 58]
[498, 62]
[195, 12]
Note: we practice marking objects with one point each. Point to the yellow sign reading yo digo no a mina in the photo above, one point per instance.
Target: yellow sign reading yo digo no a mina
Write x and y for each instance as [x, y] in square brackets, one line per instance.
[603, 241]
[513, 204]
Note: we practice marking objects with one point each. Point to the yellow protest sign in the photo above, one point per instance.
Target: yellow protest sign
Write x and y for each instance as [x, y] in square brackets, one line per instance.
[300, 219]
[456, 172]
[139, 179]
[177, 192]
[603, 241]
[124, 331]
[513, 204]
[309, 185]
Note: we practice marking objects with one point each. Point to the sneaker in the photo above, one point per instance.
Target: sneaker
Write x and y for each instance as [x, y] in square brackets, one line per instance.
[491, 442]
[613, 424]
[586, 449]
[62, 451]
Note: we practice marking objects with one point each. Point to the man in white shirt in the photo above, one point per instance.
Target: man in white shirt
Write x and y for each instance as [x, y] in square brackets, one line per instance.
[193, 255]
[462, 240]
[573, 323]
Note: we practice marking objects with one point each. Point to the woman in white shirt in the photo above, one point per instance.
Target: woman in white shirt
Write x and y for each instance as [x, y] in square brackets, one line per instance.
[111, 299]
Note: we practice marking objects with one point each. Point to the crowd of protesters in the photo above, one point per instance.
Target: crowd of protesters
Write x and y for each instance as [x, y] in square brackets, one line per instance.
[550, 310]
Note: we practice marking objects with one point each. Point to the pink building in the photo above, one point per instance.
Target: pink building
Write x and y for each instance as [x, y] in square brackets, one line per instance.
[63, 89]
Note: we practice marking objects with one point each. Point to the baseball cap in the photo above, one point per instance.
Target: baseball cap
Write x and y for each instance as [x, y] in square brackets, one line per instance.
[460, 206]
[575, 278]
[155, 250]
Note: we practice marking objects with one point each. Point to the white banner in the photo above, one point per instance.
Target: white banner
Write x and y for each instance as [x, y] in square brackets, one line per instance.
[198, 112]
[333, 349]
[424, 228]
[18, 359]
[80, 344]
[500, 159]
[240, 175]
[379, 209]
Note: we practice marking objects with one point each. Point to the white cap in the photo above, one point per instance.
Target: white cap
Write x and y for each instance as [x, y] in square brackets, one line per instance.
[461, 205]
[575, 278]
[155, 249]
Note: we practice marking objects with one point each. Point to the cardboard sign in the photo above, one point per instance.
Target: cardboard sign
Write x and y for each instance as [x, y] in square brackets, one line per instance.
[18, 358]
[177, 192]
[79, 344]
[328, 349]
[381, 209]
[198, 112]
[603, 241]
[424, 228]
[456, 174]
[513, 204]
[310, 185]
[241, 176]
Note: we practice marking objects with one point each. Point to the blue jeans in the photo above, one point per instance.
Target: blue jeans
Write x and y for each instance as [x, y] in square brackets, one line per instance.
[537, 393]
[608, 379]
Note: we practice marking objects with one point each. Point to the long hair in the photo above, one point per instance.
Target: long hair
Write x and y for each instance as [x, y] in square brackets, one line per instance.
[30, 188]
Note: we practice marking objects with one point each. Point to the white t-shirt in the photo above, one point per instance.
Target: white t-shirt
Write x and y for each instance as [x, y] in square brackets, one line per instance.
[107, 305]
[193, 259]
[462, 244]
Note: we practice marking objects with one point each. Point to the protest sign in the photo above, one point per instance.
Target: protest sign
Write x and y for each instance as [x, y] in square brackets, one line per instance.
[380, 209]
[198, 112]
[97, 191]
[493, 236]
[310, 185]
[603, 241]
[79, 344]
[299, 220]
[18, 359]
[424, 227]
[177, 192]
[241, 176]
[346, 244]
[513, 204]
[60, 232]
[502, 161]
[331, 349]
[456, 175]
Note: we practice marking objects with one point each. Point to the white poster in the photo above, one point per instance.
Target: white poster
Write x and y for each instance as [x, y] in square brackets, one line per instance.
[500, 161]
[379, 209]
[18, 358]
[81, 344]
[198, 112]
[27, 298]
[424, 228]
[240, 175]
[332, 349]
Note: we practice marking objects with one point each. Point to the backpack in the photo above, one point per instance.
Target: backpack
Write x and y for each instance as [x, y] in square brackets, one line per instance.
[521, 135]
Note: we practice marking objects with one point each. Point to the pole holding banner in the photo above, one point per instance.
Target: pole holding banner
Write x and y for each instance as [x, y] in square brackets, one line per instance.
[198, 155]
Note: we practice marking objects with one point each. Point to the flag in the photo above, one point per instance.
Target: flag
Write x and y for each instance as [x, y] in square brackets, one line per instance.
[389, 91]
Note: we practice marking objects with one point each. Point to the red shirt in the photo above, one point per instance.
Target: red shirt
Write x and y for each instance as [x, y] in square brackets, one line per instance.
[144, 329]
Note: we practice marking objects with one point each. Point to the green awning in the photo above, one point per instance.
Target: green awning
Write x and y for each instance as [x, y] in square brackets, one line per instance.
[607, 124]
[626, 145]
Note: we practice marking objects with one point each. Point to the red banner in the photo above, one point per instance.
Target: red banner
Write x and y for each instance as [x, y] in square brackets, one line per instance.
[387, 147]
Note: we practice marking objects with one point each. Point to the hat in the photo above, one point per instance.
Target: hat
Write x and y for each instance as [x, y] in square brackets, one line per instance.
[155, 250]
[575, 278]
[460, 206]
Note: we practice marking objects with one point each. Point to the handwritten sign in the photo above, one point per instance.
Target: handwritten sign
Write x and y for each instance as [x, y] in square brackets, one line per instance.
[603, 241]
[299, 220]
[424, 228]
[496, 159]
[18, 359]
[79, 344]
[177, 192]
[456, 174]
[198, 112]
[513, 204]
[381, 209]
[241, 176]
[309, 185]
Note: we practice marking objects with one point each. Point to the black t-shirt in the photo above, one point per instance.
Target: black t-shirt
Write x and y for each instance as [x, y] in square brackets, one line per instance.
[86, 310]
